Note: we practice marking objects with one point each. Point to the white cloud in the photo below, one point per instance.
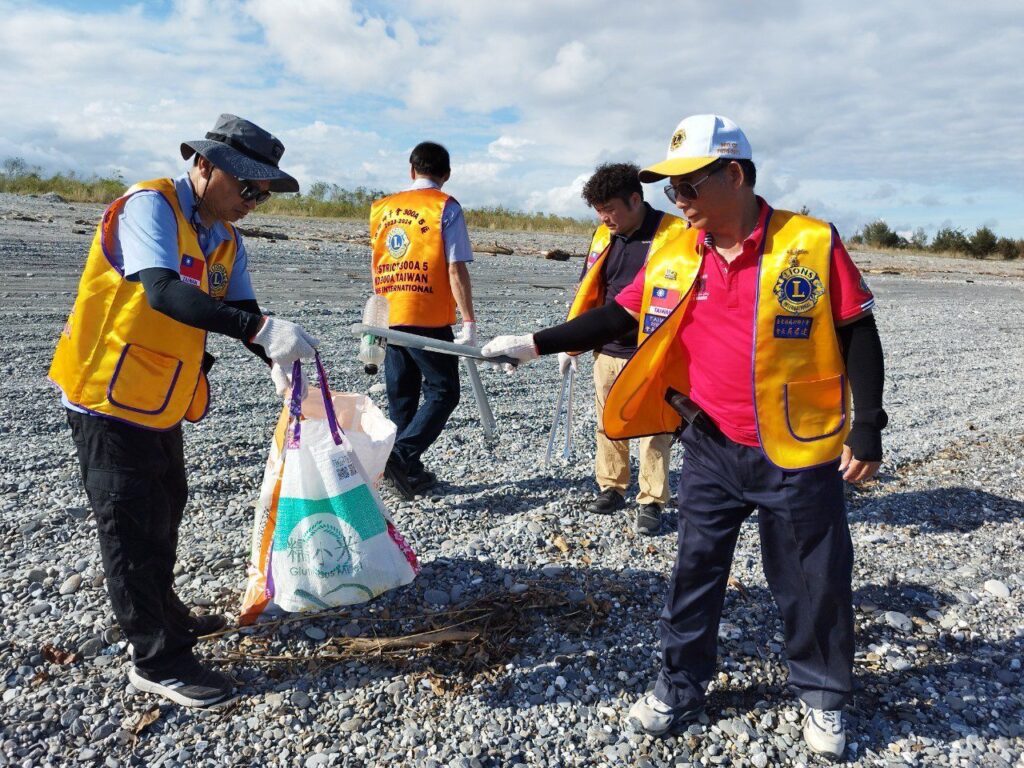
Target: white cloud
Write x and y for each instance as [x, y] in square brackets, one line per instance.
[920, 103]
[507, 148]
[564, 200]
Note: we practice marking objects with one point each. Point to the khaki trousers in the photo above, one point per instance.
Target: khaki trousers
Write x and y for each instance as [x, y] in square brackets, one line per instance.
[612, 460]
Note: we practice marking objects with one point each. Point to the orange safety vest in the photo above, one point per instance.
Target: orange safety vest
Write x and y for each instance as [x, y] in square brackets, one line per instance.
[590, 293]
[801, 393]
[119, 357]
[409, 264]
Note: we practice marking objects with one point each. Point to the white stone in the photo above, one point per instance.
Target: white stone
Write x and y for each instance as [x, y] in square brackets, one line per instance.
[997, 588]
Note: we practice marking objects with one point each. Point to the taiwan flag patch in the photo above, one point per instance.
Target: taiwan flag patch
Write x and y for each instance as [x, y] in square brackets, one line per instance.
[663, 301]
[192, 270]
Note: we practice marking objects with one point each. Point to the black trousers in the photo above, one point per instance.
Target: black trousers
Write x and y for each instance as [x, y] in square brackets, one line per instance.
[135, 481]
[410, 373]
[807, 555]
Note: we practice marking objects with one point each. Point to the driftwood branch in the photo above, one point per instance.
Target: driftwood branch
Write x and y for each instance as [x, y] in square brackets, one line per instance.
[264, 233]
[494, 248]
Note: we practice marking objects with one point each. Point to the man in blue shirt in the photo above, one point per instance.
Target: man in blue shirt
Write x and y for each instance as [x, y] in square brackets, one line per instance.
[165, 269]
[424, 227]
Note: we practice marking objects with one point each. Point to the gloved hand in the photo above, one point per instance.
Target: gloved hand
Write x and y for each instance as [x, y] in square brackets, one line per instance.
[283, 381]
[520, 347]
[467, 333]
[284, 342]
[566, 361]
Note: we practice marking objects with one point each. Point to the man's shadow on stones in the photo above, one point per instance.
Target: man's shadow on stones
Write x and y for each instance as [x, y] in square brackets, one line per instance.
[955, 509]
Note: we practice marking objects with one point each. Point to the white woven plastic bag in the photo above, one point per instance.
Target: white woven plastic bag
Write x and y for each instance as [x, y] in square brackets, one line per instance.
[322, 536]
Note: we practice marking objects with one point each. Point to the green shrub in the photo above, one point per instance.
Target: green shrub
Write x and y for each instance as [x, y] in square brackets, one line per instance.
[919, 239]
[1010, 249]
[878, 234]
[950, 240]
[983, 242]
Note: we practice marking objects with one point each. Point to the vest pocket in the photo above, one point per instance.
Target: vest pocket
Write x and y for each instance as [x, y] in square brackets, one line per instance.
[143, 380]
[815, 409]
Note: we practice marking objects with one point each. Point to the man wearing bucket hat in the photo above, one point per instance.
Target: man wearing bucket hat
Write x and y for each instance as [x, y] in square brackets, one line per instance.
[165, 268]
[756, 335]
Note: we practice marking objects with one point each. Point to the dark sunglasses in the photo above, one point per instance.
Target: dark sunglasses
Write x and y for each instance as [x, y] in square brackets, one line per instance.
[251, 193]
[687, 190]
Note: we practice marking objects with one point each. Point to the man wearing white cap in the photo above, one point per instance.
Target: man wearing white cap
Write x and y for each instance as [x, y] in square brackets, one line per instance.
[757, 337]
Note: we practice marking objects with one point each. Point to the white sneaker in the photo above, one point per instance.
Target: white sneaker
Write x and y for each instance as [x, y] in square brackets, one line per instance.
[823, 730]
[651, 715]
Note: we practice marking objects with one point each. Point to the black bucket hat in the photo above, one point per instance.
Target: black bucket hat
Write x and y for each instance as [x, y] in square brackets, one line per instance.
[244, 150]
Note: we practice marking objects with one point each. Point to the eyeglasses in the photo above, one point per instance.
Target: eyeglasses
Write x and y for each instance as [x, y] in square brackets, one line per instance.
[687, 190]
[251, 193]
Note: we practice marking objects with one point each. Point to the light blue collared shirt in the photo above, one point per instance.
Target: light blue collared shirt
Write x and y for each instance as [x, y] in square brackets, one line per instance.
[147, 237]
[453, 226]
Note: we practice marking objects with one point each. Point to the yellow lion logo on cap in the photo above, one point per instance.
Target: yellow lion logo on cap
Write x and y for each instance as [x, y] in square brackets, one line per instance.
[677, 139]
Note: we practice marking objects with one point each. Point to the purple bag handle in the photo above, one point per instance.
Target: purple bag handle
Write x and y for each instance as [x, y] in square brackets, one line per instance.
[295, 407]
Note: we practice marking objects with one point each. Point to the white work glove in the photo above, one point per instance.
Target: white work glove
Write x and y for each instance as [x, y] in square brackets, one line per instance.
[284, 342]
[565, 362]
[521, 348]
[283, 381]
[467, 333]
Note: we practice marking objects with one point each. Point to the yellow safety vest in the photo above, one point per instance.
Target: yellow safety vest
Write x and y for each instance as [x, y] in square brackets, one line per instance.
[119, 357]
[409, 264]
[801, 394]
[590, 293]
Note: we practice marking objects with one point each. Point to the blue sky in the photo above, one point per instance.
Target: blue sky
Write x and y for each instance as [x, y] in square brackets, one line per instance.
[910, 112]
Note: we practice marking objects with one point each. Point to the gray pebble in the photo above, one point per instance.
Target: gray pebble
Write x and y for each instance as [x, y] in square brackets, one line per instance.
[436, 597]
[71, 584]
[898, 620]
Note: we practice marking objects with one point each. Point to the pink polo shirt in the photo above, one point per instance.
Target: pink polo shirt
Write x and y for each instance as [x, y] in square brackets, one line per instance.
[718, 327]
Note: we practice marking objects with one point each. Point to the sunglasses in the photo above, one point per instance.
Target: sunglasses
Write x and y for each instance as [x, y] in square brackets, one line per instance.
[687, 190]
[251, 193]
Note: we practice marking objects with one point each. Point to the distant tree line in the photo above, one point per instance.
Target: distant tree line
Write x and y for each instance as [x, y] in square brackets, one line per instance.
[983, 244]
[20, 178]
[321, 199]
[333, 201]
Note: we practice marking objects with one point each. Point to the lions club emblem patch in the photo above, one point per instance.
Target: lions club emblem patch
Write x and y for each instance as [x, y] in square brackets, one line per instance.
[218, 280]
[397, 242]
[677, 139]
[798, 289]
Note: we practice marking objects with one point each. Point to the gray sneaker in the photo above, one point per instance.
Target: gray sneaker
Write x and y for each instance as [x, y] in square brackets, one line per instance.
[191, 685]
[651, 715]
[823, 730]
[648, 519]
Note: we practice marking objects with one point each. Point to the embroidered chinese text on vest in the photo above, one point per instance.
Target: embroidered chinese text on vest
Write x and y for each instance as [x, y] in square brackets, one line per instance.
[800, 392]
[409, 265]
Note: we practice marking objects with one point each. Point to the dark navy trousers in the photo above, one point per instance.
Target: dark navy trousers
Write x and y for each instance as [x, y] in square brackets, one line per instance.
[136, 484]
[807, 557]
[409, 373]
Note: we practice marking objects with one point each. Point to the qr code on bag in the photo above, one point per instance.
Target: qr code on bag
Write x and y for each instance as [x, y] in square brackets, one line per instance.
[342, 465]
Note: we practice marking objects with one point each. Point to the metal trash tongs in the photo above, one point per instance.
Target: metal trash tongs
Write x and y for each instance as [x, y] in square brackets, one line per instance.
[487, 421]
[563, 405]
[467, 353]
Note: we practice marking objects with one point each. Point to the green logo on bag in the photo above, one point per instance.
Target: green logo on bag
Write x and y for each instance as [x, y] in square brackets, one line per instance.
[320, 549]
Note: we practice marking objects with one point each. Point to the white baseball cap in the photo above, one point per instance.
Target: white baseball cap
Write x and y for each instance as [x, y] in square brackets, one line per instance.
[697, 141]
